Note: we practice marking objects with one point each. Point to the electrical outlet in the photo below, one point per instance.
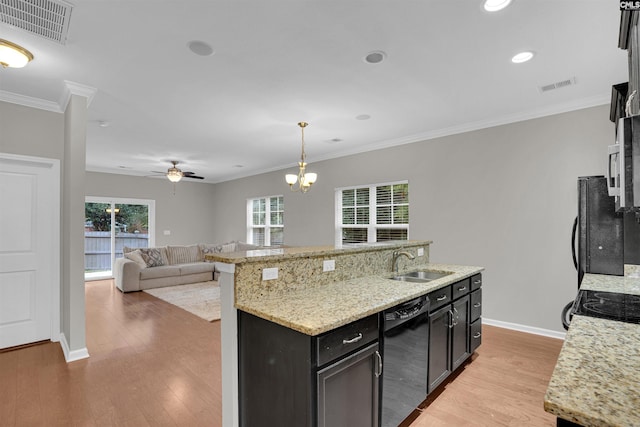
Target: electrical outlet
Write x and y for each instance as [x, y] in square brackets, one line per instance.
[420, 251]
[269, 273]
[329, 265]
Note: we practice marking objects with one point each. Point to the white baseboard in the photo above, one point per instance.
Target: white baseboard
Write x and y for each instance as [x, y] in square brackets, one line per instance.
[72, 356]
[524, 328]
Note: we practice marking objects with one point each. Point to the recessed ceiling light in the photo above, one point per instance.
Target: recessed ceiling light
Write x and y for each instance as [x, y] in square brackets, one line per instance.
[200, 48]
[495, 5]
[363, 117]
[334, 140]
[238, 166]
[103, 123]
[522, 57]
[375, 57]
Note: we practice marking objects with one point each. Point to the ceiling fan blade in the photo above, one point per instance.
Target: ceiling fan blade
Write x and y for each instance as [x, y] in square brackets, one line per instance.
[193, 176]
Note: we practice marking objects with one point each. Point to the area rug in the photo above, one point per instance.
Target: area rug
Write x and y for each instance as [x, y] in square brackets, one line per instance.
[201, 299]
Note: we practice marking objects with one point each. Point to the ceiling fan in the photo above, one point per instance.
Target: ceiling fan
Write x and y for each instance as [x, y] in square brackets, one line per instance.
[175, 175]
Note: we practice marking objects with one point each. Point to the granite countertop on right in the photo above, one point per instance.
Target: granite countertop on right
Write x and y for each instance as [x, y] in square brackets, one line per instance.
[596, 381]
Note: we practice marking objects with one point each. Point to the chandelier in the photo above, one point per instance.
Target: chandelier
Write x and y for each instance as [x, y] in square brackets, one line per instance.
[304, 179]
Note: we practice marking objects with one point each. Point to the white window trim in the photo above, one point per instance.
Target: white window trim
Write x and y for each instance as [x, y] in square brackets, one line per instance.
[267, 226]
[372, 226]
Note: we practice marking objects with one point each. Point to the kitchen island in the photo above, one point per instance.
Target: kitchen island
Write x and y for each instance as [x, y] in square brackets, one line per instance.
[596, 381]
[314, 290]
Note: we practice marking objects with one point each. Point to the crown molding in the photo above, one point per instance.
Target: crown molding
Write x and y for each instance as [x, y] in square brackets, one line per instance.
[72, 88]
[28, 101]
[567, 107]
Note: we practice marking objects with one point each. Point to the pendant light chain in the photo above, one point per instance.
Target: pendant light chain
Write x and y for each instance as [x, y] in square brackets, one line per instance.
[303, 156]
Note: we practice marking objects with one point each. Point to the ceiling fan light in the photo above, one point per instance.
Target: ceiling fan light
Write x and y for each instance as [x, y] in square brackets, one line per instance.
[174, 175]
[12, 55]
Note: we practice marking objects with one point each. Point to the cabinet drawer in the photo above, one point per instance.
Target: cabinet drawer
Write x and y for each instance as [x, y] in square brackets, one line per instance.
[439, 298]
[476, 281]
[475, 335]
[345, 339]
[476, 305]
[460, 288]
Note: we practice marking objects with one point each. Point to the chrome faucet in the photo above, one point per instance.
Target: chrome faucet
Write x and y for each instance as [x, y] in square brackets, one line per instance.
[396, 255]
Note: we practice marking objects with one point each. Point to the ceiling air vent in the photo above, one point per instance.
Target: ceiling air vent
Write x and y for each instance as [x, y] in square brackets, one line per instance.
[557, 85]
[45, 18]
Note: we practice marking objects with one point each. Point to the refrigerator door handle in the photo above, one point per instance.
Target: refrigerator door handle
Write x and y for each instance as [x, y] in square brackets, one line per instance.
[573, 243]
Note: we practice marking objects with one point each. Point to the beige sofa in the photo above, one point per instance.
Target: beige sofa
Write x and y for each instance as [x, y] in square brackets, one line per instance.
[146, 268]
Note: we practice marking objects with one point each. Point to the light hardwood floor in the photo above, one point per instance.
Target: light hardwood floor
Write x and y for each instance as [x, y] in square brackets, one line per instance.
[153, 364]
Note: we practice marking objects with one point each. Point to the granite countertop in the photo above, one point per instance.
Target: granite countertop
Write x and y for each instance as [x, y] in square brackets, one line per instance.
[265, 255]
[596, 381]
[321, 309]
[603, 282]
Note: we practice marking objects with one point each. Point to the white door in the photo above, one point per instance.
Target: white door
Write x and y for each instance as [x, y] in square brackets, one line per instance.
[29, 236]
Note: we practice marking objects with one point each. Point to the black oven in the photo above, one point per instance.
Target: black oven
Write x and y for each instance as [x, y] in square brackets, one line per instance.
[608, 305]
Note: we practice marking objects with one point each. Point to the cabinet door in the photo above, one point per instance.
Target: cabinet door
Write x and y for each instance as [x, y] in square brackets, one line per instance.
[275, 374]
[439, 349]
[348, 390]
[460, 332]
[475, 338]
[476, 305]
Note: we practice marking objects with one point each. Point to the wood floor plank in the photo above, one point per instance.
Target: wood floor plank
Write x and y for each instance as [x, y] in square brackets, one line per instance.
[154, 364]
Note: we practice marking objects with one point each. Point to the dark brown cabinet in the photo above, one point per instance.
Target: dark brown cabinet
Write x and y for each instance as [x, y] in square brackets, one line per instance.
[439, 348]
[287, 378]
[453, 324]
[459, 332]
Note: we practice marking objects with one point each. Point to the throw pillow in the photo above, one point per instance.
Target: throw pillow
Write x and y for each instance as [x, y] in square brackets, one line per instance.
[208, 249]
[228, 247]
[136, 256]
[152, 257]
[242, 246]
[183, 254]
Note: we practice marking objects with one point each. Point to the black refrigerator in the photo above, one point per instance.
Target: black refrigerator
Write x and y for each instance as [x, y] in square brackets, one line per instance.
[597, 241]
[599, 231]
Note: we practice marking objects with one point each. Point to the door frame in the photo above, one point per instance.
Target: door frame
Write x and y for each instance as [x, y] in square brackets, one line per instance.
[54, 218]
[126, 201]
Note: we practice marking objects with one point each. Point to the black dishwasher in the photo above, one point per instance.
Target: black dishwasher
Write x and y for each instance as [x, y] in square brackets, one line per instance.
[404, 377]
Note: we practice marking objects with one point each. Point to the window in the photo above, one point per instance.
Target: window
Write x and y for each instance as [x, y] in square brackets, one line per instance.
[110, 224]
[373, 213]
[265, 221]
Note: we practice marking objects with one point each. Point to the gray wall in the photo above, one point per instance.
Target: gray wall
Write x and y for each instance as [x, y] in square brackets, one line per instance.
[503, 198]
[19, 135]
[187, 214]
[33, 132]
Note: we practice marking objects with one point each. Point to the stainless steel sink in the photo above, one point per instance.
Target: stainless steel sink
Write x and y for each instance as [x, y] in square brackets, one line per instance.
[420, 276]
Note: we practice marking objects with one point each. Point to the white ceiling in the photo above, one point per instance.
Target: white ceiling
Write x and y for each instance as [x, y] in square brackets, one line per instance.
[279, 62]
